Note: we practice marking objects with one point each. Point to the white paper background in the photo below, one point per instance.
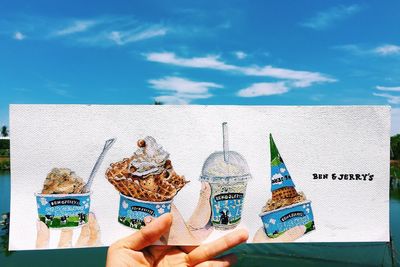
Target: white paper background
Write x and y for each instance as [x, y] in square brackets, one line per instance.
[310, 139]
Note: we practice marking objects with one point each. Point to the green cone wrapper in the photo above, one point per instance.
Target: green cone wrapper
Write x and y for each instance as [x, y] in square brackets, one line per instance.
[280, 176]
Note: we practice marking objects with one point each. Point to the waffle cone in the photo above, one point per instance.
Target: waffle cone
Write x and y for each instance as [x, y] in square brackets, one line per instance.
[287, 192]
[154, 187]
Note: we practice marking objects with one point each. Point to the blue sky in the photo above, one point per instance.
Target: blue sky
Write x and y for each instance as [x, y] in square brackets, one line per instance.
[208, 52]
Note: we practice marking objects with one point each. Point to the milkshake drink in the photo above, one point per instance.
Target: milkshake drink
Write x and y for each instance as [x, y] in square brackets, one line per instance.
[227, 172]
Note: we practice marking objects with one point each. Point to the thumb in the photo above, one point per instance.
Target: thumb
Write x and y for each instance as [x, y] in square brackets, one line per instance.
[43, 235]
[149, 234]
[261, 236]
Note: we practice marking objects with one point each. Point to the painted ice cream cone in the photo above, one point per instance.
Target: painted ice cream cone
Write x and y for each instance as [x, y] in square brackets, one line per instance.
[287, 208]
[282, 185]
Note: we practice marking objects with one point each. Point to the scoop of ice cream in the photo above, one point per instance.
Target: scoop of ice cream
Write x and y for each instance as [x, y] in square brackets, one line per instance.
[276, 203]
[220, 166]
[62, 181]
[147, 175]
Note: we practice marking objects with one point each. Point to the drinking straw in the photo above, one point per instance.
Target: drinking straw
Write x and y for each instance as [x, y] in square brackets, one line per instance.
[225, 141]
[96, 166]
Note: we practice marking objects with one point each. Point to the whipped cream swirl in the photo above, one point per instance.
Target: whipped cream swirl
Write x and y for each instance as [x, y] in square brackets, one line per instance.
[149, 159]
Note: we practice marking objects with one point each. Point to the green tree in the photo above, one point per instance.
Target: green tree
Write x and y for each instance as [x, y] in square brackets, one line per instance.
[4, 131]
[395, 147]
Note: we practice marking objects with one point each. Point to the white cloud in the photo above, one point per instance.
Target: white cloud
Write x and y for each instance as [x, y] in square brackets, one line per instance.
[19, 36]
[139, 34]
[240, 54]
[75, 27]
[181, 85]
[105, 31]
[395, 121]
[326, 19]
[264, 89]
[387, 88]
[383, 50]
[390, 98]
[386, 50]
[297, 78]
[207, 62]
[178, 90]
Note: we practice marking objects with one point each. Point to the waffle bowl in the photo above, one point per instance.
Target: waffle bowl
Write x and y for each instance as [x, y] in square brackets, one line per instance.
[146, 181]
[155, 187]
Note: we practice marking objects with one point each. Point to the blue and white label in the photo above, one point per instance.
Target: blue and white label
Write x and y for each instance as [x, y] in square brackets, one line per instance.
[58, 211]
[226, 204]
[278, 221]
[132, 212]
[280, 177]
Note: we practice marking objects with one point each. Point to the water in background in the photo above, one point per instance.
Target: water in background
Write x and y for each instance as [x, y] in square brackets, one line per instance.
[307, 254]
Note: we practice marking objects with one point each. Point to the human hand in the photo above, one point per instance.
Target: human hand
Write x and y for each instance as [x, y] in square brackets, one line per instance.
[137, 249]
[199, 224]
[89, 236]
[288, 236]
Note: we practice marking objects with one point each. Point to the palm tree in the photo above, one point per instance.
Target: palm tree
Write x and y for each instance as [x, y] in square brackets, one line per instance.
[4, 131]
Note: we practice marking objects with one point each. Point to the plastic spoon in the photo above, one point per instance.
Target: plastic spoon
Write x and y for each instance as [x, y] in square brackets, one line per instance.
[96, 166]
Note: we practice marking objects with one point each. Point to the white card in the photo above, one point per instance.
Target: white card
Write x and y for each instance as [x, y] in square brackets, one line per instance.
[326, 178]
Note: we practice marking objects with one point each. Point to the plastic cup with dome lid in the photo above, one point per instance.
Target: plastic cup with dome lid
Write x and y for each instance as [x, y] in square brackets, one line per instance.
[227, 172]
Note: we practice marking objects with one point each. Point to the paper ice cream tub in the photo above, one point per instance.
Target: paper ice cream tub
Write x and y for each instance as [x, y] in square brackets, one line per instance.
[63, 210]
[276, 222]
[226, 204]
[132, 211]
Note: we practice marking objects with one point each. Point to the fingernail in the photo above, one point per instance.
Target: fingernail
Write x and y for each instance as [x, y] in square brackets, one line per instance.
[92, 216]
[148, 220]
[41, 226]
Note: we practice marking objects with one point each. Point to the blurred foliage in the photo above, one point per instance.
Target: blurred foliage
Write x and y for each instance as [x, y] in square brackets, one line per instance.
[4, 131]
[4, 144]
[4, 230]
[4, 152]
[395, 147]
[4, 164]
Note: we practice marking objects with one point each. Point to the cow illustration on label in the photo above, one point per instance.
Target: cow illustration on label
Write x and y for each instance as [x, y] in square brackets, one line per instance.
[287, 208]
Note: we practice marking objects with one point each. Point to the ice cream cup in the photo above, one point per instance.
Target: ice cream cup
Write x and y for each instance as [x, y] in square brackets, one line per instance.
[276, 222]
[226, 204]
[63, 210]
[132, 211]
